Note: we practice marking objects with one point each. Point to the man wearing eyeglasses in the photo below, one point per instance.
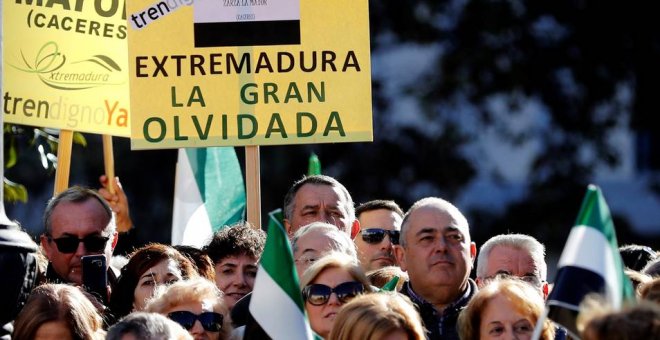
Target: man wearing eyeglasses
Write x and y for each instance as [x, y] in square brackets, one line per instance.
[517, 255]
[436, 250]
[78, 222]
[380, 223]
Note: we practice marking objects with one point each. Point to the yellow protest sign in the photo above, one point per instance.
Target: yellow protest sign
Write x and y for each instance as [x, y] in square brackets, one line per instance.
[248, 72]
[65, 65]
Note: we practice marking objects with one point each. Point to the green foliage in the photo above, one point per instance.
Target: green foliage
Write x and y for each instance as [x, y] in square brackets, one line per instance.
[21, 142]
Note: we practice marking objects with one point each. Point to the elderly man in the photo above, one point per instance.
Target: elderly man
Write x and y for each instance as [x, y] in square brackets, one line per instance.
[516, 255]
[380, 223]
[319, 198]
[436, 251]
[316, 239]
[77, 222]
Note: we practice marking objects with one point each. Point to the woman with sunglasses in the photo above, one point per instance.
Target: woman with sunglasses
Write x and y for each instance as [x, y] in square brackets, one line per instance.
[197, 305]
[333, 280]
[152, 265]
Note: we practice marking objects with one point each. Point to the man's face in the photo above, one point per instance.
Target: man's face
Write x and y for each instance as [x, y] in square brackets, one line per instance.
[309, 248]
[504, 260]
[76, 220]
[438, 253]
[319, 203]
[376, 255]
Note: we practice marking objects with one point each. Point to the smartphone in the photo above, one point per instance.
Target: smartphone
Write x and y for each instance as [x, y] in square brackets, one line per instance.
[95, 276]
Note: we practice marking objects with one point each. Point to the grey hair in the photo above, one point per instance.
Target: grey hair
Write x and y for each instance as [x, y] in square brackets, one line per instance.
[517, 241]
[340, 241]
[289, 198]
[78, 194]
[148, 326]
[439, 203]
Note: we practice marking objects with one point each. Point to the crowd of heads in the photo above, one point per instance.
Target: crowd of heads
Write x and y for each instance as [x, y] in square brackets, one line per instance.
[365, 272]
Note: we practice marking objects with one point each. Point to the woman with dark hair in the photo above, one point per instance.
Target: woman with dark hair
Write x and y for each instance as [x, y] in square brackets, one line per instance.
[58, 311]
[152, 265]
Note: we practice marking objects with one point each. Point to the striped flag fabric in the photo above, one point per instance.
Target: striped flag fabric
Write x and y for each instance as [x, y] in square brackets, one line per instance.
[276, 303]
[208, 194]
[589, 263]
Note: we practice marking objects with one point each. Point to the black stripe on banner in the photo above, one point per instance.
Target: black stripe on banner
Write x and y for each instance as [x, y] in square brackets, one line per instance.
[571, 286]
[247, 33]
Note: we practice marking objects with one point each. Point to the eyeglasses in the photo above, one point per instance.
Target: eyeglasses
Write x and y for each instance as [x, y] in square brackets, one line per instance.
[376, 235]
[531, 279]
[212, 322]
[318, 294]
[69, 244]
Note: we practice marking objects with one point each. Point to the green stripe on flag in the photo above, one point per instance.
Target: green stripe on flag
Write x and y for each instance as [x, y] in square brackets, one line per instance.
[595, 213]
[277, 260]
[220, 182]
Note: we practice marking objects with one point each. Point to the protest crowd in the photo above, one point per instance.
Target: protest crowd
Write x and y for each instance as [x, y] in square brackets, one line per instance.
[331, 270]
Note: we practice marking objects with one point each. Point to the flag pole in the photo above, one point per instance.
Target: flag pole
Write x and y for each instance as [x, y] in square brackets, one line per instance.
[109, 161]
[63, 161]
[539, 325]
[252, 184]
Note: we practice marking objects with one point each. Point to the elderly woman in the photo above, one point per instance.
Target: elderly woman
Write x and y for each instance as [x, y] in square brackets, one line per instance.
[505, 308]
[197, 305]
[152, 265]
[58, 311]
[329, 283]
[385, 315]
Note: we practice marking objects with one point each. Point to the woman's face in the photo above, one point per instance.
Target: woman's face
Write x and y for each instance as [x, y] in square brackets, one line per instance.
[322, 317]
[234, 276]
[198, 307]
[165, 272]
[501, 320]
[53, 330]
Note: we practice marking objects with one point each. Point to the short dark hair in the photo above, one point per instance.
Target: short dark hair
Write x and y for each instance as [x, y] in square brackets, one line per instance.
[77, 194]
[238, 239]
[636, 256]
[378, 205]
[316, 180]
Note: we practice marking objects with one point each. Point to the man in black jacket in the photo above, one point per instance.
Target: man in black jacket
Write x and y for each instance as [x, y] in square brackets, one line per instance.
[436, 251]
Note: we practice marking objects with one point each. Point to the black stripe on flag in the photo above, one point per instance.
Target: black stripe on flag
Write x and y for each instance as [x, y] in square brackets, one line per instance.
[247, 33]
[572, 284]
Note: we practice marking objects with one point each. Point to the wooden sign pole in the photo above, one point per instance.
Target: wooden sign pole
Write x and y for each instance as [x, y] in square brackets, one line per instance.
[63, 161]
[109, 161]
[253, 185]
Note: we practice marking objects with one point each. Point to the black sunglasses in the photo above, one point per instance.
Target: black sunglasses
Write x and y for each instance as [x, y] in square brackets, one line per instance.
[376, 235]
[318, 294]
[212, 322]
[69, 244]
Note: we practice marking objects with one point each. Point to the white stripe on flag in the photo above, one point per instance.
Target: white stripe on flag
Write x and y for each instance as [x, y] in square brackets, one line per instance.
[275, 312]
[588, 248]
[189, 209]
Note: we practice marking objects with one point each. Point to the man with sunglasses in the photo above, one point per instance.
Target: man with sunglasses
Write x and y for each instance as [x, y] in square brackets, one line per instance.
[517, 255]
[380, 223]
[319, 198]
[78, 222]
[436, 250]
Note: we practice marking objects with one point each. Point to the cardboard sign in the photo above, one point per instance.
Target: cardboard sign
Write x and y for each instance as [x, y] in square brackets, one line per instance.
[248, 72]
[65, 65]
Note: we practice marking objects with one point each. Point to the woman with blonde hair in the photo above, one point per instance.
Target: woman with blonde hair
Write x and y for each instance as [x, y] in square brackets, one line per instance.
[197, 305]
[380, 316]
[58, 311]
[504, 307]
[326, 285]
